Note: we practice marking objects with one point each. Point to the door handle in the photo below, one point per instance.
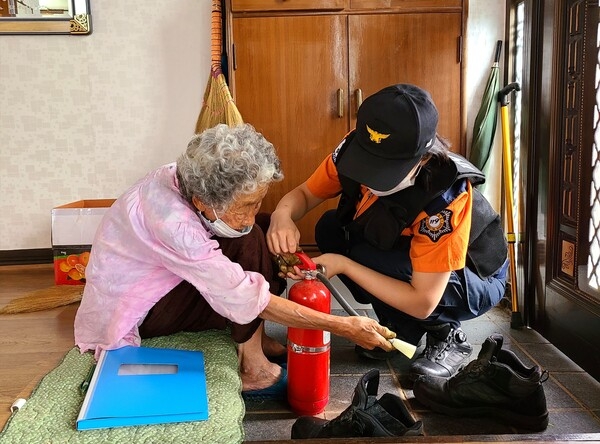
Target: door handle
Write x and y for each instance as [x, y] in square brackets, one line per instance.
[340, 102]
[359, 98]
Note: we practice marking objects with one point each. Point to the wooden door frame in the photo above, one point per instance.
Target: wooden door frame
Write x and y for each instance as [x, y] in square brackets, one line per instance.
[552, 302]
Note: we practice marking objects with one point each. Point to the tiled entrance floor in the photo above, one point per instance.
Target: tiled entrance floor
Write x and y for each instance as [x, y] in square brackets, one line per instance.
[573, 396]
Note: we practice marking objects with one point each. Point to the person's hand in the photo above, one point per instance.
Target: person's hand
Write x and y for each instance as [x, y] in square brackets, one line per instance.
[283, 235]
[361, 330]
[368, 333]
[334, 263]
[287, 264]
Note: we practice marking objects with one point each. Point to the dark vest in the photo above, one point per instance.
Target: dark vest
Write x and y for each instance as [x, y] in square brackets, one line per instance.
[382, 223]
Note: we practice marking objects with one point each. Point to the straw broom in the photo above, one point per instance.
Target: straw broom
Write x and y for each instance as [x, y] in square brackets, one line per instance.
[44, 299]
[217, 107]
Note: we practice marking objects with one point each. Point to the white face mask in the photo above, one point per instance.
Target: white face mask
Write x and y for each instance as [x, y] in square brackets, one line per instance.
[408, 181]
[221, 229]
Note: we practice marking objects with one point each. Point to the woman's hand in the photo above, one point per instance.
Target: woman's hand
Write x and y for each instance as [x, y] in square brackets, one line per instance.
[368, 333]
[361, 330]
[297, 274]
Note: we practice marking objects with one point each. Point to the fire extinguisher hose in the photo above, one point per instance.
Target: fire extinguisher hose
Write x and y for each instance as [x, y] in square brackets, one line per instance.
[318, 271]
[403, 347]
[337, 295]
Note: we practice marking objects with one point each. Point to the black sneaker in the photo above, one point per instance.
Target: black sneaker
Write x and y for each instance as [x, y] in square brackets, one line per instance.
[377, 354]
[367, 416]
[495, 385]
[447, 351]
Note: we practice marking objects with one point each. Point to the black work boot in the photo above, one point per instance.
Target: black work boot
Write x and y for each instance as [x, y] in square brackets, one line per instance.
[377, 354]
[496, 385]
[446, 352]
[365, 417]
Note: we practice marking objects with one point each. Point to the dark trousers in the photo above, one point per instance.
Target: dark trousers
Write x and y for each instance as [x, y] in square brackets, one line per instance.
[466, 296]
[185, 309]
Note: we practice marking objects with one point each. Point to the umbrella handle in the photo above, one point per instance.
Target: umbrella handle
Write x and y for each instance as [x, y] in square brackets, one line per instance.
[504, 92]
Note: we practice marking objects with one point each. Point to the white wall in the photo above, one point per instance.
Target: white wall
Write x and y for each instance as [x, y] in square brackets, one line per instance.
[485, 26]
[83, 117]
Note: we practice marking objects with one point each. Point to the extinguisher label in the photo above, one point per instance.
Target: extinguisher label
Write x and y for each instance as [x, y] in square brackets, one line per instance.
[326, 337]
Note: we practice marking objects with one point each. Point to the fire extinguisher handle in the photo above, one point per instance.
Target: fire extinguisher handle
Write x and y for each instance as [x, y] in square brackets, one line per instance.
[307, 263]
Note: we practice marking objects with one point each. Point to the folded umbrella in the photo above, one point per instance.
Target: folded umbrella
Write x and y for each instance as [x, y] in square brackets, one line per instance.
[484, 128]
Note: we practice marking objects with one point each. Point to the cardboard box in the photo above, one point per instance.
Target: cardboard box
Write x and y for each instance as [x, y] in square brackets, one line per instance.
[74, 226]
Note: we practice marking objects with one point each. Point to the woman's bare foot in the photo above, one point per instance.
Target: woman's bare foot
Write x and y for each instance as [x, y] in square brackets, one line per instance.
[260, 378]
[256, 371]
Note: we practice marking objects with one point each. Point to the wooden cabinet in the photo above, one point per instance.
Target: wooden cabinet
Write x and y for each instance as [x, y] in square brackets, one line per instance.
[410, 48]
[298, 73]
[287, 84]
[287, 5]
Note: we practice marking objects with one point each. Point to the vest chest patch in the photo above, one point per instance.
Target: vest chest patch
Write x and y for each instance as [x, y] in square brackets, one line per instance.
[436, 226]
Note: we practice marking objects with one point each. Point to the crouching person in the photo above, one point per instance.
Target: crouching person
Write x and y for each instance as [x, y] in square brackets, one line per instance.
[411, 235]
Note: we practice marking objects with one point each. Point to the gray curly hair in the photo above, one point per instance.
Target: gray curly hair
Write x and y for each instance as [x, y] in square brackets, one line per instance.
[222, 163]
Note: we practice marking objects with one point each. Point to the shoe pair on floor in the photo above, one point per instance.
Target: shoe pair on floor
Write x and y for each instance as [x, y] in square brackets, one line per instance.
[446, 352]
[497, 385]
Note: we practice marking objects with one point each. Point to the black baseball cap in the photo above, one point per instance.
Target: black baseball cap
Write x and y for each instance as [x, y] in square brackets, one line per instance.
[395, 127]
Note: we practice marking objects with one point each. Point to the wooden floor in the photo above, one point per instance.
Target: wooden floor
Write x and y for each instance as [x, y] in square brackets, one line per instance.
[31, 344]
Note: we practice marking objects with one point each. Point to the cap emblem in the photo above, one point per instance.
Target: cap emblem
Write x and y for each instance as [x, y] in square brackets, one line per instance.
[375, 136]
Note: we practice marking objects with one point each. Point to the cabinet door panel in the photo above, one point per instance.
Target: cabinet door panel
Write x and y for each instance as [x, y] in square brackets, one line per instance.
[421, 49]
[288, 73]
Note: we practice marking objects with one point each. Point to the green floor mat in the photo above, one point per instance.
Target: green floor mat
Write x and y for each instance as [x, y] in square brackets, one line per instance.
[51, 411]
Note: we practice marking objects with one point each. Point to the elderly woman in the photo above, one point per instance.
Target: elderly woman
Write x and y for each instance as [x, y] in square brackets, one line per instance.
[180, 251]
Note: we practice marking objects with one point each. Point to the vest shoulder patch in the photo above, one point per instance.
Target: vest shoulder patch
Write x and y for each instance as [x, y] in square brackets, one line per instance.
[436, 226]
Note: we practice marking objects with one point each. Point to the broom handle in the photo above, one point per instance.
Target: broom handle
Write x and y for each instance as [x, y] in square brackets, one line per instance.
[216, 38]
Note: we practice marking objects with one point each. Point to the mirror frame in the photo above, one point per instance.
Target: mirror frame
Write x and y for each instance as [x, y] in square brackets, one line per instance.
[79, 24]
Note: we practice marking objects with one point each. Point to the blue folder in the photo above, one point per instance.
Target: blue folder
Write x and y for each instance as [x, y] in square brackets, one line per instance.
[142, 385]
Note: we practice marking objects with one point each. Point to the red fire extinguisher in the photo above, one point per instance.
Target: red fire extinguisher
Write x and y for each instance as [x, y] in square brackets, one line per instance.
[308, 350]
